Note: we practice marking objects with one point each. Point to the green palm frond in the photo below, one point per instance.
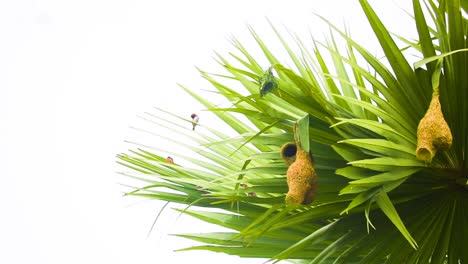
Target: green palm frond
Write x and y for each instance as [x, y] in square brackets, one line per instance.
[376, 202]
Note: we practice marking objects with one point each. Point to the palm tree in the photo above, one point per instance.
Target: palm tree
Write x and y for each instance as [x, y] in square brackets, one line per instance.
[386, 139]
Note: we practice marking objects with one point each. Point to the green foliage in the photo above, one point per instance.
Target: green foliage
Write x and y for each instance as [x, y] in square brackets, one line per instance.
[376, 202]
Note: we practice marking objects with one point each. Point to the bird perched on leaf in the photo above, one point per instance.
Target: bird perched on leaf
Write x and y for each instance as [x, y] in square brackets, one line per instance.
[170, 160]
[267, 83]
[195, 119]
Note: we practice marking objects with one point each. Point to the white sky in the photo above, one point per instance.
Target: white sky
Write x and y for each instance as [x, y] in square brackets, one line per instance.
[73, 77]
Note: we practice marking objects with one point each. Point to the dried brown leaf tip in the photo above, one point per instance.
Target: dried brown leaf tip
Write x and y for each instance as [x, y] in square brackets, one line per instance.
[301, 175]
[252, 194]
[433, 131]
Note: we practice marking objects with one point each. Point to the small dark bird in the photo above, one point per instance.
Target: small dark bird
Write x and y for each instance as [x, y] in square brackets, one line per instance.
[170, 160]
[195, 119]
[267, 83]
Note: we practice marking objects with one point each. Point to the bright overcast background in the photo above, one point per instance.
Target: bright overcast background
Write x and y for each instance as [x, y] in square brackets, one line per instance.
[74, 76]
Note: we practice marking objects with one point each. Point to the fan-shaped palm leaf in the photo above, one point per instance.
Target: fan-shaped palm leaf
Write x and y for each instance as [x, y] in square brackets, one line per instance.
[376, 201]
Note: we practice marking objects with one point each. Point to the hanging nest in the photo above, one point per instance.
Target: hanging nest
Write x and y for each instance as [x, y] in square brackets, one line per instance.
[433, 131]
[301, 175]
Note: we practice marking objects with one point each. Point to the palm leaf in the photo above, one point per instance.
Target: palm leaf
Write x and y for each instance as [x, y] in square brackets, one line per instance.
[358, 116]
